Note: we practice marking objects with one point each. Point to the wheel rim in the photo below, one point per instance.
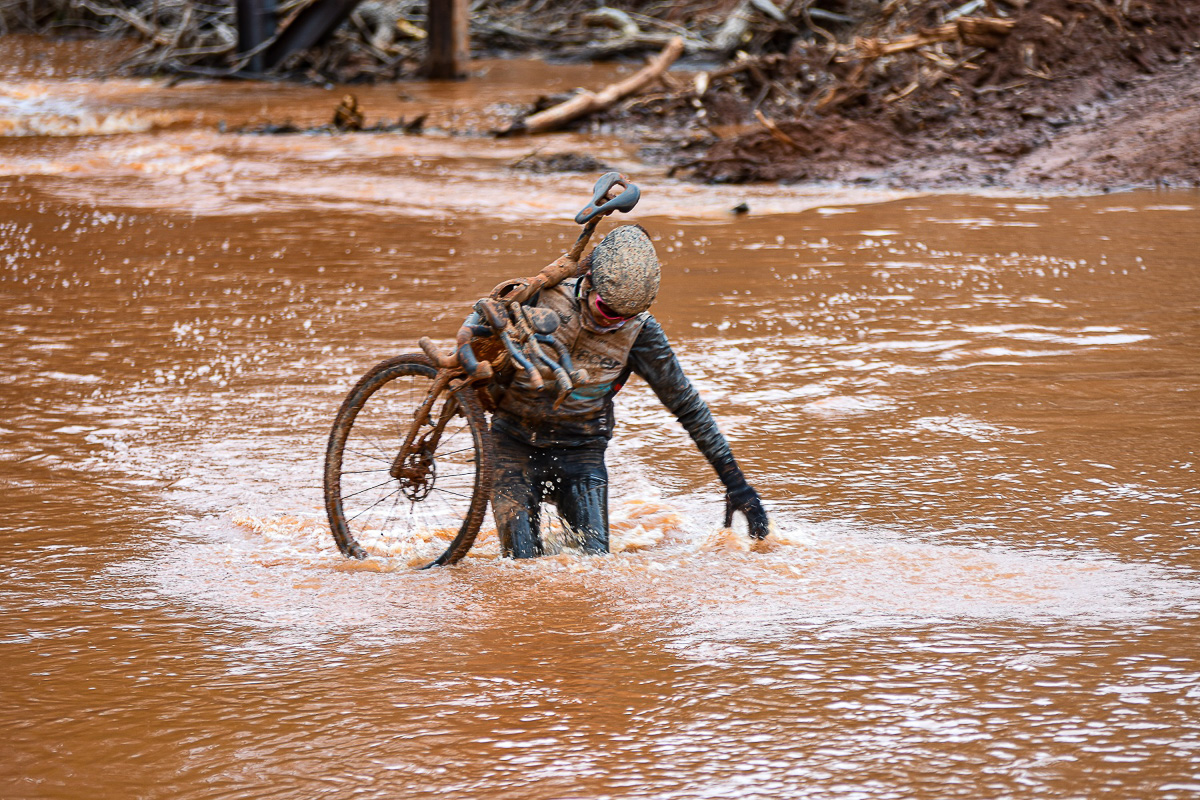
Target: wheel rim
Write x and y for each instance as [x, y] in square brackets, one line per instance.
[415, 511]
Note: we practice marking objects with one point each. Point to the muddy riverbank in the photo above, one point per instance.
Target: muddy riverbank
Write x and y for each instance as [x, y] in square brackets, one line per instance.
[1145, 134]
[1058, 95]
[1052, 94]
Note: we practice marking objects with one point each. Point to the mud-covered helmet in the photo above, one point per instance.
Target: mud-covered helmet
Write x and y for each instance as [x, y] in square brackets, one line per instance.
[625, 270]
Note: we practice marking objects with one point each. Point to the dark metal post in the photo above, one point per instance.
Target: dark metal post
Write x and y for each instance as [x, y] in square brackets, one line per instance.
[311, 26]
[448, 44]
[256, 24]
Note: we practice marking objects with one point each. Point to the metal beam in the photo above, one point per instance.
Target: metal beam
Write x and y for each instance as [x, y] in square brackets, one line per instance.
[256, 24]
[310, 26]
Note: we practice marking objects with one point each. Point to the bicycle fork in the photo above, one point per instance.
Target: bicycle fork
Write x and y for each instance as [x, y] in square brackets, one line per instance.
[413, 466]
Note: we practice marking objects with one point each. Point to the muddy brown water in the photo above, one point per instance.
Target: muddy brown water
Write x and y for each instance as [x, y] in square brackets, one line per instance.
[973, 419]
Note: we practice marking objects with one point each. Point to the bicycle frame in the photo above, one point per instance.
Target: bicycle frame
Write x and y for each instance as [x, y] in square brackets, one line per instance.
[401, 469]
[505, 312]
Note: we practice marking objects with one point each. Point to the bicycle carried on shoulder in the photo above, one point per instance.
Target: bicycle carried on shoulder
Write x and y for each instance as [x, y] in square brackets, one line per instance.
[410, 451]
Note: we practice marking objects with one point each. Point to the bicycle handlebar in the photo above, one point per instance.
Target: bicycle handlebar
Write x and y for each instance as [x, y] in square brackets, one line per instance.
[613, 192]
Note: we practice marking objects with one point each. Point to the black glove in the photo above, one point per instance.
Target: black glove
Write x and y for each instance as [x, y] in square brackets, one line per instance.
[744, 499]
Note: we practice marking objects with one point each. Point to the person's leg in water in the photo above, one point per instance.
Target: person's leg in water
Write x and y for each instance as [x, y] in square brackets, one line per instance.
[580, 490]
[574, 478]
[517, 497]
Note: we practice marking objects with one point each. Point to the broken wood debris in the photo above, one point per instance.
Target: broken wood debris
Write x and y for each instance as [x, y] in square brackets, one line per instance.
[778, 133]
[587, 102]
[976, 31]
[348, 116]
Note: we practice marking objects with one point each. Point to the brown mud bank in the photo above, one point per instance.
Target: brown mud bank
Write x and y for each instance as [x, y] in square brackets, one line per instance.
[1145, 134]
[1065, 94]
[1029, 94]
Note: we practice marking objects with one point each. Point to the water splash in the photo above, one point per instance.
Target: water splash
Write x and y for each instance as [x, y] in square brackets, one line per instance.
[33, 110]
[283, 569]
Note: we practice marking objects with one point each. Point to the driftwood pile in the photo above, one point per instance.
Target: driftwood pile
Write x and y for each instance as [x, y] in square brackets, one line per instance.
[384, 39]
[908, 46]
[772, 57]
[381, 39]
[992, 78]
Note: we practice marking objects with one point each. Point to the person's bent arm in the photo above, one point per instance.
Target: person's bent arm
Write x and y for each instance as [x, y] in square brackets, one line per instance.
[653, 359]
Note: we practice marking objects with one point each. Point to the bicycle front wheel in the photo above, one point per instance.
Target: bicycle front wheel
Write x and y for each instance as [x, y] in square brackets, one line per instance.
[428, 509]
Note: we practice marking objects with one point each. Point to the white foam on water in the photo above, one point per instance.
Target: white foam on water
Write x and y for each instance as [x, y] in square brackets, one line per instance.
[387, 174]
[35, 110]
[282, 570]
[969, 427]
[849, 405]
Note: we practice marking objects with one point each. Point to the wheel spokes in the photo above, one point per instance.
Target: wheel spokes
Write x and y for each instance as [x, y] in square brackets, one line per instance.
[440, 497]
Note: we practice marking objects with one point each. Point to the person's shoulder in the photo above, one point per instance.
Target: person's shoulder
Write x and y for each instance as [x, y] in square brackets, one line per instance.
[649, 327]
[567, 287]
[646, 318]
[562, 292]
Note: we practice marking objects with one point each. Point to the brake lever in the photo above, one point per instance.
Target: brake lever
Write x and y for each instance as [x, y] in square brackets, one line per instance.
[624, 202]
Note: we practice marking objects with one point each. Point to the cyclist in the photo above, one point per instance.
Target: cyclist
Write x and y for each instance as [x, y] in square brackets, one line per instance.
[557, 454]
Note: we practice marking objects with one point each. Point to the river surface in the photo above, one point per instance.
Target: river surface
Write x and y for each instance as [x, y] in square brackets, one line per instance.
[974, 420]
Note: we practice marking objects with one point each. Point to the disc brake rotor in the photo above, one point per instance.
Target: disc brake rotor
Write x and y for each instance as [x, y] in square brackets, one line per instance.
[418, 475]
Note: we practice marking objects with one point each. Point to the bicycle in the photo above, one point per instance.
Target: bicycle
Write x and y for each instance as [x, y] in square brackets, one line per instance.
[410, 443]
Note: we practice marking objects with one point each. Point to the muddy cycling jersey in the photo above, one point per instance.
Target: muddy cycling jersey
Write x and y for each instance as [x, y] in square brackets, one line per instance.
[586, 416]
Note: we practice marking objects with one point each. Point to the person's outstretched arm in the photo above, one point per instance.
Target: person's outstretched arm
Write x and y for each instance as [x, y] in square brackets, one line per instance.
[653, 359]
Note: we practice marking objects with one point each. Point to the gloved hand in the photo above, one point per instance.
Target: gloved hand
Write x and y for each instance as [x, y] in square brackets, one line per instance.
[744, 499]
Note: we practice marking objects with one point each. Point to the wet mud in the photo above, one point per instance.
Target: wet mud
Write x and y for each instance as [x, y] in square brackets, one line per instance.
[1076, 95]
[971, 417]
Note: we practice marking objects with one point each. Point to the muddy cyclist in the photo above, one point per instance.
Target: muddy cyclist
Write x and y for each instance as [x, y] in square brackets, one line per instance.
[545, 452]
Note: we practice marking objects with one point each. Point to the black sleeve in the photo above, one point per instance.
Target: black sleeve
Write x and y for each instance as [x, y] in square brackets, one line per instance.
[653, 359]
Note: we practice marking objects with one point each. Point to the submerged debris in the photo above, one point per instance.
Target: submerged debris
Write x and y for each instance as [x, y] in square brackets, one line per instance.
[348, 117]
[560, 162]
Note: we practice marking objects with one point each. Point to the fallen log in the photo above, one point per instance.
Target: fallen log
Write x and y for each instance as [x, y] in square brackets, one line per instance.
[613, 18]
[610, 48]
[586, 103]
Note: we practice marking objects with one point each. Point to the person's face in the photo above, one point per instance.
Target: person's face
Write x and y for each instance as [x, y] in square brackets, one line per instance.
[602, 315]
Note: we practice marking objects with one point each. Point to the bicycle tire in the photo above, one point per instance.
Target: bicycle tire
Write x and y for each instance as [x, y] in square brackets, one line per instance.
[369, 431]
